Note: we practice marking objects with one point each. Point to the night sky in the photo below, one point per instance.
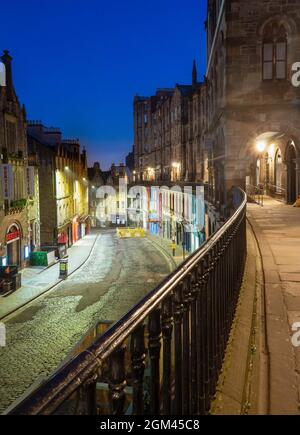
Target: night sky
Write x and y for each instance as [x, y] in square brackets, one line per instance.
[78, 64]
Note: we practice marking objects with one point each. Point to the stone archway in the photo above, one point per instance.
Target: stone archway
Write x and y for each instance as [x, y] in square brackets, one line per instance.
[278, 138]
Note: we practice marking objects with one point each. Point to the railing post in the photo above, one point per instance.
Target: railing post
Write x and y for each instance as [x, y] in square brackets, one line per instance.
[186, 347]
[86, 398]
[219, 301]
[137, 347]
[195, 342]
[178, 314]
[154, 352]
[117, 382]
[167, 328]
[206, 345]
[211, 321]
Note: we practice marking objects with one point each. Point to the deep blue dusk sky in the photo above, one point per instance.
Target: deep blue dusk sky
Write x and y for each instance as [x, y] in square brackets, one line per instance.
[78, 64]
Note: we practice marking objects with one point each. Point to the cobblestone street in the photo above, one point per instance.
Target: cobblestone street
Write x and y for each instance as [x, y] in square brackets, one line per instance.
[117, 274]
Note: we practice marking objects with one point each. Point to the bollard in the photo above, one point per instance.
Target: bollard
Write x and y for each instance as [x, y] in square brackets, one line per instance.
[63, 268]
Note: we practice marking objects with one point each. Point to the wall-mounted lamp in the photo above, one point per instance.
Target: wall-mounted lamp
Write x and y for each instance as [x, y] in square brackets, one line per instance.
[260, 146]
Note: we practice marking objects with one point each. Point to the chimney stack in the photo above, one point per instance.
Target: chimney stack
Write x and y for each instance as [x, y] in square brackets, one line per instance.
[7, 59]
[195, 74]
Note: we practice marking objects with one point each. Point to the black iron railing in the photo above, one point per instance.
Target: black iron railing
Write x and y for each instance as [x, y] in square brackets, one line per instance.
[275, 191]
[165, 355]
[256, 194]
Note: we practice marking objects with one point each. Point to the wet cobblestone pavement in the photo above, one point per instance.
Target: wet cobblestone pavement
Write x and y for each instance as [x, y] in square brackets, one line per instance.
[117, 274]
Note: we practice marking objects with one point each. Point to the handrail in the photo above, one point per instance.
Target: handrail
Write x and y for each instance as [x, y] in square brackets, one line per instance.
[256, 193]
[273, 188]
[181, 291]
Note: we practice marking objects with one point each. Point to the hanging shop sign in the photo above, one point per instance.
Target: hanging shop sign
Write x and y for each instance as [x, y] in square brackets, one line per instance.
[7, 181]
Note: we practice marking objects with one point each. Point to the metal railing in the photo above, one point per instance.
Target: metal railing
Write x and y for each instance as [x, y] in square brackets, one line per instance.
[256, 194]
[165, 355]
[275, 191]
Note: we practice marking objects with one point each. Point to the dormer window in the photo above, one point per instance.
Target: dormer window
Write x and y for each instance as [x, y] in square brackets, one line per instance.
[275, 53]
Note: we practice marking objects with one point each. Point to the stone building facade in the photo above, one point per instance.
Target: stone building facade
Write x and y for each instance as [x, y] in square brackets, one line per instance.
[167, 134]
[241, 125]
[254, 109]
[63, 185]
[19, 195]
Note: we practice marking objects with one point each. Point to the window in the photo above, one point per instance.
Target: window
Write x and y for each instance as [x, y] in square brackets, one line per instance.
[11, 136]
[275, 53]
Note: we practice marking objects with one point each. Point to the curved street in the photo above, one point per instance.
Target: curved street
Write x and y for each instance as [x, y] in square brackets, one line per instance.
[116, 275]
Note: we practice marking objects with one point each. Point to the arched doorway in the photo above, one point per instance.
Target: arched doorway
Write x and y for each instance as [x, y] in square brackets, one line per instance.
[291, 174]
[13, 242]
[278, 170]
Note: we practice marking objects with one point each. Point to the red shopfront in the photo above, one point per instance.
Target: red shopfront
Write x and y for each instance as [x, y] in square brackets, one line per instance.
[14, 245]
[75, 229]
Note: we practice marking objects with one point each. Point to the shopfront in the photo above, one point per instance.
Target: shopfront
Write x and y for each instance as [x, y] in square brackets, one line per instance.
[63, 238]
[76, 229]
[14, 245]
[85, 226]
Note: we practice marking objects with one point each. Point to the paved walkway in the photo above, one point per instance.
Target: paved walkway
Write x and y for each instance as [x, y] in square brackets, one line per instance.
[36, 280]
[277, 228]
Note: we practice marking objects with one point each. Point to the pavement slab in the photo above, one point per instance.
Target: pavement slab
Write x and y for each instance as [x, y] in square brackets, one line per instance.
[36, 281]
[277, 228]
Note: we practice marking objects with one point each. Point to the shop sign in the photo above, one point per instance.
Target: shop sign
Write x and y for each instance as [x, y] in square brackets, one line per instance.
[7, 181]
[13, 236]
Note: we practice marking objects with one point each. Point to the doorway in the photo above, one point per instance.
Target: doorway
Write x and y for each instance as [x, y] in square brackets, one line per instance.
[291, 174]
[13, 241]
[278, 171]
